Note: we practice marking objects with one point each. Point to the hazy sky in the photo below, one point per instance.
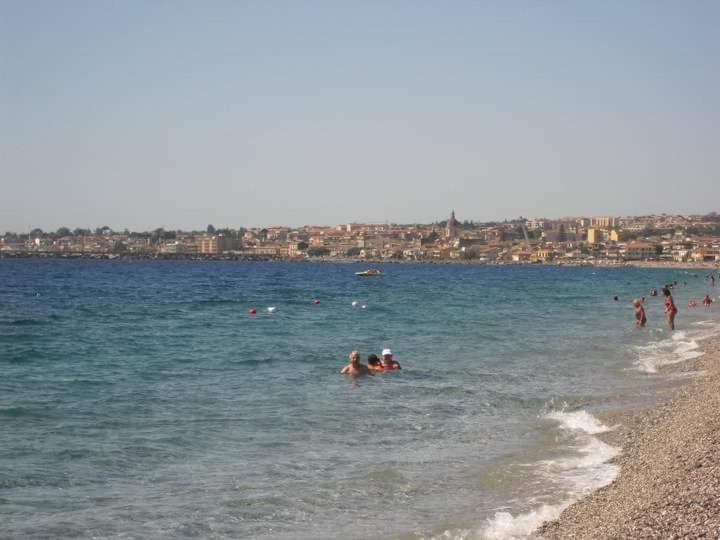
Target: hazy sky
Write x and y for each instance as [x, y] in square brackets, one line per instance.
[179, 114]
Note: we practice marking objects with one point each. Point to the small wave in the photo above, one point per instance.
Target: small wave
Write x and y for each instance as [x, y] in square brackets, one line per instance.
[679, 348]
[505, 526]
[580, 474]
[579, 420]
[22, 412]
[28, 322]
[589, 469]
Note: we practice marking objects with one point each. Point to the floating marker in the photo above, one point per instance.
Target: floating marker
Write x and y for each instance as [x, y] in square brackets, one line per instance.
[354, 303]
[271, 309]
[316, 301]
[252, 311]
[363, 306]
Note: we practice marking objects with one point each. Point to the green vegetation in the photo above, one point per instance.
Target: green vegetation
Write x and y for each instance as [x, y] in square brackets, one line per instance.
[318, 252]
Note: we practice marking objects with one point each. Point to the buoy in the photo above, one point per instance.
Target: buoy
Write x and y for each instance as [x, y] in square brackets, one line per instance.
[252, 311]
[364, 306]
[354, 303]
[316, 301]
[271, 309]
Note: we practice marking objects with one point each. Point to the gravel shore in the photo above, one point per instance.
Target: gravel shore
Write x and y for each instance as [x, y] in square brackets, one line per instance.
[669, 482]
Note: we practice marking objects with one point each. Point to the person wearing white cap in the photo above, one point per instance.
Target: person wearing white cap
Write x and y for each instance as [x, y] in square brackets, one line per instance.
[387, 361]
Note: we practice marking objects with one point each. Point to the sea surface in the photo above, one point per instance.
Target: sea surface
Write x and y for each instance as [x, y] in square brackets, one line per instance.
[142, 400]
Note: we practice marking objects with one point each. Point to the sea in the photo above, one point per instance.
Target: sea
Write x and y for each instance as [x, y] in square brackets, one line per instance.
[143, 400]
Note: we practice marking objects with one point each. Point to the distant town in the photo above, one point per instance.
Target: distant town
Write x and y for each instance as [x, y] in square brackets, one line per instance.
[576, 240]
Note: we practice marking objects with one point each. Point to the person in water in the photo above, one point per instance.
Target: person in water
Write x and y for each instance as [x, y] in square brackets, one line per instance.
[387, 361]
[640, 318]
[355, 368]
[707, 301]
[692, 303]
[374, 362]
[670, 308]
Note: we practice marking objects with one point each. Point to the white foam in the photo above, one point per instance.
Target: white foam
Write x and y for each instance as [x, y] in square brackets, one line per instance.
[505, 526]
[681, 346]
[580, 420]
[589, 469]
[577, 475]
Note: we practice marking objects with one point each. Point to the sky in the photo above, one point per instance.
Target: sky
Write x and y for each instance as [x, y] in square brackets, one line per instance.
[174, 114]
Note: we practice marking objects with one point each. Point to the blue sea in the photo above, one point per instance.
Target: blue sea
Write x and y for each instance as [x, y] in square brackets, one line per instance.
[141, 400]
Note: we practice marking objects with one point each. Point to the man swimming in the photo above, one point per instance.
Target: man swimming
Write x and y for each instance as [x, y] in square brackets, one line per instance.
[355, 368]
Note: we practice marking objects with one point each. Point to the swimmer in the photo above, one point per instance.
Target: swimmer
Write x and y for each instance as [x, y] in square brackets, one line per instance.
[387, 360]
[355, 368]
[640, 318]
[707, 301]
[692, 303]
[670, 308]
[374, 362]
[653, 292]
[616, 298]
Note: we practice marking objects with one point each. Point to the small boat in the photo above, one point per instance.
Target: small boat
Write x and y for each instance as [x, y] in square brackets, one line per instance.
[370, 272]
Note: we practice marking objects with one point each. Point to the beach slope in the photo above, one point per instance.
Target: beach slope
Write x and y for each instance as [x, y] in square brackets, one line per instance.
[669, 483]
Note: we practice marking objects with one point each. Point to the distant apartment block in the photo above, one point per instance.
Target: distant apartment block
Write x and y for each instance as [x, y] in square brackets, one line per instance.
[216, 244]
[602, 222]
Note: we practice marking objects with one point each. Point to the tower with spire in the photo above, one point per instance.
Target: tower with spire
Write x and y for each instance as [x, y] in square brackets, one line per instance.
[451, 231]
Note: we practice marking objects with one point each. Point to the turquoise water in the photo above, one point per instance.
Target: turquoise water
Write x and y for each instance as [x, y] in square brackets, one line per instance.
[141, 400]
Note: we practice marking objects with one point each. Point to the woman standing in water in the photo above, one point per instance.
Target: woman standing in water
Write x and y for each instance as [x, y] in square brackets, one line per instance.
[670, 308]
[640, 318]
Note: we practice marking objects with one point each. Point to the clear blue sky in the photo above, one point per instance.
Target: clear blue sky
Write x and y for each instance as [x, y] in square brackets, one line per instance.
[179, 114]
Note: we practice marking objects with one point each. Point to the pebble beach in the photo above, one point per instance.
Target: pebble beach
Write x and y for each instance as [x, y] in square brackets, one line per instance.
[669, 480]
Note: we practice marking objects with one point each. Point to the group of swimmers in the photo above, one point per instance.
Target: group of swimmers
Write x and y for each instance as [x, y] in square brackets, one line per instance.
[670, 307]
[374, 364]
[706, 301]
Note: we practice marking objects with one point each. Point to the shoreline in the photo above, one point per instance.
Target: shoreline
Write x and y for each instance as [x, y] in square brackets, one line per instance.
[689, 265]
[669, 480]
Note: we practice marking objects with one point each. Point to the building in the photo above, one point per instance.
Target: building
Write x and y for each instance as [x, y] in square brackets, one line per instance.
[602, 222]
[640, 251]
[216, 244]
[594, 235]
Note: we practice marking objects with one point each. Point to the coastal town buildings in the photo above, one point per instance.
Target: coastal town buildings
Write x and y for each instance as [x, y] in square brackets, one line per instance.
[568, 240]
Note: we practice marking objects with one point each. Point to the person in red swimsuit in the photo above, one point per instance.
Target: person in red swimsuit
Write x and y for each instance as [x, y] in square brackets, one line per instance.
[388, 363]
[670, 308]
[707, 301]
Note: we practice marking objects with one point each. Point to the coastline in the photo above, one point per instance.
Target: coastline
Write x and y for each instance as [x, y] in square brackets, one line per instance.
[688, 265]
[669, 480]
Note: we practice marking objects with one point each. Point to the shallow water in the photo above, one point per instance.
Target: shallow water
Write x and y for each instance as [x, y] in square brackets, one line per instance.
[140, 400]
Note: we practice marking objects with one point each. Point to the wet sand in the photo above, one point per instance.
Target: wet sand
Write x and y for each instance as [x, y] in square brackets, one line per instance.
[669, 481]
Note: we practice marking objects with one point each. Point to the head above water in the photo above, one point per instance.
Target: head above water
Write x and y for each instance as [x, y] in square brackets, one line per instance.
[666, 291]
[373, 360]
[355, 357]
[387, 352]
[636, 302]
